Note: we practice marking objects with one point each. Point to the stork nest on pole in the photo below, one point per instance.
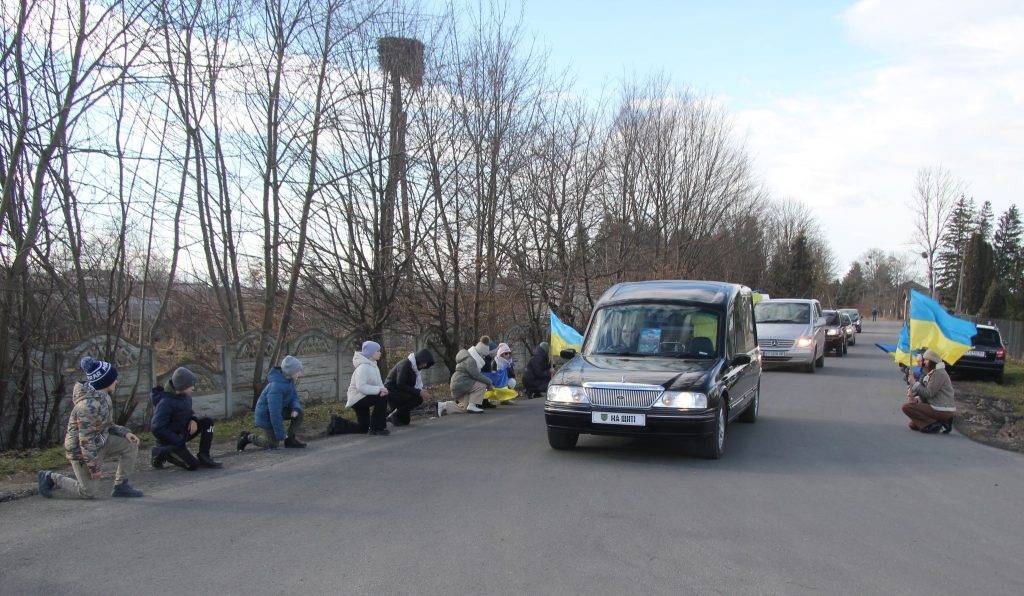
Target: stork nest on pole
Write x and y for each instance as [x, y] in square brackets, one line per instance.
[402, 56]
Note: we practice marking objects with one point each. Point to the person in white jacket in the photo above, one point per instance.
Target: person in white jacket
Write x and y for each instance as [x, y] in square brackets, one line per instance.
[366, 392]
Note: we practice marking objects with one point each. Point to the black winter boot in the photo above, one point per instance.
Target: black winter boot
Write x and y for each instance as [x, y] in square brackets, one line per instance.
[205, 461]
[125, 490]
[243, 441]
[293, 443]
[156, 459]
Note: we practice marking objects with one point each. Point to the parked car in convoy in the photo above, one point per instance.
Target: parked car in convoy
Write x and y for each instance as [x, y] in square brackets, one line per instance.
[987, 356]
[790, 331]
[855, 315]
[848, 328]
[835, 333]
[660, 359]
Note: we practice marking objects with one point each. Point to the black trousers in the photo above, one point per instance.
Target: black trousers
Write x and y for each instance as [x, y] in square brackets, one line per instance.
[372, 413]
[180, 456]
[403, 402]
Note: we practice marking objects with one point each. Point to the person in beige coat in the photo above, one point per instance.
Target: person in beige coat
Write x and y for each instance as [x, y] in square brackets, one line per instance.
[468, 383]
[931, 403]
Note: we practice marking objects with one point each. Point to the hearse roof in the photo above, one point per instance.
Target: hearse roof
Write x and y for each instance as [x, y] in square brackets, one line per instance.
[703, 292]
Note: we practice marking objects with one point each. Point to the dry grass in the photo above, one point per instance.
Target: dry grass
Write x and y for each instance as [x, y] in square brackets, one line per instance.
[1012, 389]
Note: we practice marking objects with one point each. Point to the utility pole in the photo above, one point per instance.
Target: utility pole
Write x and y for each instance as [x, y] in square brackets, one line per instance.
[401, 58]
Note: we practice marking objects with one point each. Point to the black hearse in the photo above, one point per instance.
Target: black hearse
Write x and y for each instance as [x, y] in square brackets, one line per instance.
[660, 359]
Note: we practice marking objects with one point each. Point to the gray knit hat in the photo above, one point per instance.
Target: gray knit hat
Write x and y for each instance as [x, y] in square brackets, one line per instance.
[932, 356]
[291, 366]
[483, 347]
[182, 378]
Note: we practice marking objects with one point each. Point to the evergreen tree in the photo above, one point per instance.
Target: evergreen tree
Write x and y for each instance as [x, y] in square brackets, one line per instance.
[979, 273]
[954, 245]
[851, 289]
[994, 306]
[984, 224]
[801, 268]
[1009, 250]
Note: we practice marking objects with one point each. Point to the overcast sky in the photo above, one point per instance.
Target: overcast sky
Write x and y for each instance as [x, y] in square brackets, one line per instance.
[840, 103]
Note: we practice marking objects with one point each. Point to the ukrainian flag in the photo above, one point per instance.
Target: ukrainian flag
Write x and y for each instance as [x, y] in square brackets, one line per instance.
[933, 328]
[903, 354]
[563, 337]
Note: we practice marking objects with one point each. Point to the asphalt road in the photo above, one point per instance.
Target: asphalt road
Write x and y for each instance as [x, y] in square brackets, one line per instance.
[827, 492]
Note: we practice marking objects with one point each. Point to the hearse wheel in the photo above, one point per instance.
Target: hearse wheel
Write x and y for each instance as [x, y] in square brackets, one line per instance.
[713, 447]
[562, 439]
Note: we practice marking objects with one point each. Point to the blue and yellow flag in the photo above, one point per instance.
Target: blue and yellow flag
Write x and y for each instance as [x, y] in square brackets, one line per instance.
[903, 354]
[563, 337]
[933, 328]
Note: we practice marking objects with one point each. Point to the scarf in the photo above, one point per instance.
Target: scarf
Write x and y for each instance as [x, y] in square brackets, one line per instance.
[416, 369]
[477, 357]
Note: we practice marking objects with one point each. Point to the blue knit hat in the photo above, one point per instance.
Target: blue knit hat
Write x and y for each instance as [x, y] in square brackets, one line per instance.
[369, 348]
[98, 374]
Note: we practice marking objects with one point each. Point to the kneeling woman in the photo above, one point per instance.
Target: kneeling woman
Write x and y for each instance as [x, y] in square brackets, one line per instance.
[502, 372]
[405, 385]
[366, 392]
[930, 402]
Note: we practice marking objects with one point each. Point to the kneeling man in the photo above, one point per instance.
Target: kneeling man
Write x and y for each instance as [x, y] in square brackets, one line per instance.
[930, 401]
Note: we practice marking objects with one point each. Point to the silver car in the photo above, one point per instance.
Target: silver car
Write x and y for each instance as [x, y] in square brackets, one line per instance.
[791, 332]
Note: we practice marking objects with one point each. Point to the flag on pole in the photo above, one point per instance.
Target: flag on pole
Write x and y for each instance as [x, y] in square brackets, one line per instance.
[932, 327]
[563, 337]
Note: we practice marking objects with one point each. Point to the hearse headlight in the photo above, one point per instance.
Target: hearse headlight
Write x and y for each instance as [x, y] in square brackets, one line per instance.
[567, 394]
[682, 400]
[804, 342]
[832, 332]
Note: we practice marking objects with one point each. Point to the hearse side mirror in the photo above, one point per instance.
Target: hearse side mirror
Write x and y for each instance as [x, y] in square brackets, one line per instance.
[820, 322]
[741, 359]
[567, 354]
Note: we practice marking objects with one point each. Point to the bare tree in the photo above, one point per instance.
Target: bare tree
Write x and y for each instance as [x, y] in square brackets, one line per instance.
[935, 192]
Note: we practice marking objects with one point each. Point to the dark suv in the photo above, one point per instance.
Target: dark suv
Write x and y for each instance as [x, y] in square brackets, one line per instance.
[660, 359]
[835, 332]
[987, 356]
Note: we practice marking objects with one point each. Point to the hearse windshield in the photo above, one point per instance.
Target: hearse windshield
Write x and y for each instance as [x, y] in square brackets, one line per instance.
[782, 312]
[654, 330]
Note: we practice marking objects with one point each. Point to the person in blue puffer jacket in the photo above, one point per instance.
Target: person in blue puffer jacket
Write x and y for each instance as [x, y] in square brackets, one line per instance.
[174, 424]
[278, 402]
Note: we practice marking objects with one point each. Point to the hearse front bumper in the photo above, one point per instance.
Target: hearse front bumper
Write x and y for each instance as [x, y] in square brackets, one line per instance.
[657, 423]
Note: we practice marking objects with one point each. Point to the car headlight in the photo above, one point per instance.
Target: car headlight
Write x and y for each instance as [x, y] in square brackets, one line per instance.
[804, 342]
[567, 394]
[682, 400]
[832, 332]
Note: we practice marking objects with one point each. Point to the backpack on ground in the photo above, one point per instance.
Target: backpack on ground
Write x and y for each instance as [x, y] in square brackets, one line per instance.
[341, 426]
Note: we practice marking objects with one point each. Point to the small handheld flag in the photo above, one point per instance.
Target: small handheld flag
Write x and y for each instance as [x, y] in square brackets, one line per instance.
[932, 327]
[564, 337]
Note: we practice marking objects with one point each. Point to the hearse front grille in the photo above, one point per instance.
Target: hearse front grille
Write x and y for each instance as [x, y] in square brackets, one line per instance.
[623, 395]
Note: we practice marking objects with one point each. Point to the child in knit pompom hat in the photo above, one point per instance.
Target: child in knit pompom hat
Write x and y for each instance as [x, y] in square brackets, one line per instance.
[92, 437]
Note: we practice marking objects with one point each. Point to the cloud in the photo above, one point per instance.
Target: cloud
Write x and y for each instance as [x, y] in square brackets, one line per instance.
[948, 90]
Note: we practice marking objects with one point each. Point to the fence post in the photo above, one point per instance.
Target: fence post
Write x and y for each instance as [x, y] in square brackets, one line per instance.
[338, 354]
[228, 364]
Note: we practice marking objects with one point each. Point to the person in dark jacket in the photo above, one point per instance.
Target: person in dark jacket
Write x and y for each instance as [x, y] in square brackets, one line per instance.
[278, 402]
[538, 371]
[405, 385]
[174, 424]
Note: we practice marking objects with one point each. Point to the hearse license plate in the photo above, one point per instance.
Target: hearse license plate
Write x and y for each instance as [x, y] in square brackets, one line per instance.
[975, 354]
[618, 418]
[774, 353]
